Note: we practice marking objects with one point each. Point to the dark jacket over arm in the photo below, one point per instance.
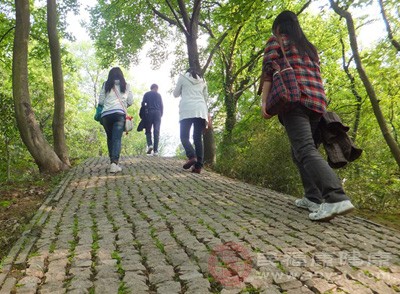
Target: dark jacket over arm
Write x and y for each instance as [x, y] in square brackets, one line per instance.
[339, 148]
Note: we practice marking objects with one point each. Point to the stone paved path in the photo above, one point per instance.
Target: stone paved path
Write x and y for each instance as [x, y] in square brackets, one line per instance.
[156, 228]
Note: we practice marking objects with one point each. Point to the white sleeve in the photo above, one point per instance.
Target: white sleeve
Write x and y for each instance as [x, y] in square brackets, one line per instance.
[102, 95]
[205, 93]
[178, 88]
[129, 99]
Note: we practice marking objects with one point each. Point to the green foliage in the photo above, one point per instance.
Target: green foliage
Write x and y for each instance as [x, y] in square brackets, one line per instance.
[120, 29]
[258, 148]
[259, 151]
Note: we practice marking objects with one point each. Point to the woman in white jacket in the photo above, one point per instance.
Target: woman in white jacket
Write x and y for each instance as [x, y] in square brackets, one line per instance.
[192, 111]
[115, 96]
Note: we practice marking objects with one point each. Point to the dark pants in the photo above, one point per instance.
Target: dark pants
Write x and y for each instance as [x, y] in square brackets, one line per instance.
[153, 120]
[198, 128]
[114, 126]
[320, 182]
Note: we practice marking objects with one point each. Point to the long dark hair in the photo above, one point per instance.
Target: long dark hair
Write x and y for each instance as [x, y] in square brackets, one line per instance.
[115, 74]
[287, 23]
[194, 73]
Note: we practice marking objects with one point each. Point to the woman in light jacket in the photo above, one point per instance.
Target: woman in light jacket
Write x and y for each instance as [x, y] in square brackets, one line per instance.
[115, 96]
[192, 111]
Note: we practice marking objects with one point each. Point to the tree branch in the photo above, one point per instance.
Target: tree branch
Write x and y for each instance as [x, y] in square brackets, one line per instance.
[304, 7]
[213, 50]
[182, 9]
[171, 21]
[249, 63]
[195, 16]
[9, 30]
[388, 28]
[207, 28]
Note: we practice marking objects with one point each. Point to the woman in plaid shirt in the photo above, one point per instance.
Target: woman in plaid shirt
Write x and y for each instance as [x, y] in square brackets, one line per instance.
[324, 194]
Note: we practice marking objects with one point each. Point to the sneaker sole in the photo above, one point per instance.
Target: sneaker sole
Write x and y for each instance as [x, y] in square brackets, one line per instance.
[328, 218]
[303, 207]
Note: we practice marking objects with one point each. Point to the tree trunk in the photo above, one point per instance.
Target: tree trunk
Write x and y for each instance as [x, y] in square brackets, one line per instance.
[60, 146]
[8, 155]
[394, 148]
[209, 147]
[231, 111]
[352, 80]
[44, 156]
[193, 53]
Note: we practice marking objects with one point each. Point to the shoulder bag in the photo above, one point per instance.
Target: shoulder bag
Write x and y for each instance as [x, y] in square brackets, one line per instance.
[97, 115]
[284, 89]
[128, 119]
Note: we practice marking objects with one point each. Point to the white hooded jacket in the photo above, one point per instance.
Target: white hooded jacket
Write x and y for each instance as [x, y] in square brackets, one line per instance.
[194, 95]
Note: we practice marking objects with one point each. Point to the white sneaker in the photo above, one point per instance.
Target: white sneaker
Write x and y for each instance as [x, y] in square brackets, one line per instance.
[114, 168]
[155, 153]
[149, 150]
[328, 211]
[307, 204]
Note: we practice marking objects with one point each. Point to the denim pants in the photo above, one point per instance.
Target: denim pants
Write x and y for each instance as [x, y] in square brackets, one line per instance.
[198, 128]
[320, 182]
[153, 119]
[114, 126]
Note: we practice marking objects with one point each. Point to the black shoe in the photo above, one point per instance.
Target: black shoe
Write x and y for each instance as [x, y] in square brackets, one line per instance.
[196, 169]
[188, 164]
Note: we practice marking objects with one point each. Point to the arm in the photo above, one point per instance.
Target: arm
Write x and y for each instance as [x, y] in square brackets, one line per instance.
[178, 88]
[102, 96]
[270, 54]
[144, 100]
[129, 99]
[265, 91]
[161, 106]
[205, 93]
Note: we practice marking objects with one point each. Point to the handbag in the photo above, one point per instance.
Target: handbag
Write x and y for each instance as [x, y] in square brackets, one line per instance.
[128, 124]
[99, 110]
[128, 119]
[284, 89]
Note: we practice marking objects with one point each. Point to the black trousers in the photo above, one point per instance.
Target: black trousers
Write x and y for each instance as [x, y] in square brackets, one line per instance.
[153, 121]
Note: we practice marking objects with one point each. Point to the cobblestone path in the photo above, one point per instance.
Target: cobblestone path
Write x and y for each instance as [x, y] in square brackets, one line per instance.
[156, 228]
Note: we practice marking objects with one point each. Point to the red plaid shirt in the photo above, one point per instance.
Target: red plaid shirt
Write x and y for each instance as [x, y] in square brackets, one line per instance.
[307, 72]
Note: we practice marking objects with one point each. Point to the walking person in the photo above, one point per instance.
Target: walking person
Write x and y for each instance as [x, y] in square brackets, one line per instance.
[115, 96]
[192, 112]
[324, 194]
[153, 103]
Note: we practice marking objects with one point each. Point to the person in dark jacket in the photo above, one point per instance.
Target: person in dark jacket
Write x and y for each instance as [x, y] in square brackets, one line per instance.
[153, 102]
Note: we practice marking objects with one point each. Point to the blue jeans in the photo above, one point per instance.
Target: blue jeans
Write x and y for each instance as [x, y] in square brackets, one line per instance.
[320, 182]
[114, 126]
[153, 119]
[199, 125]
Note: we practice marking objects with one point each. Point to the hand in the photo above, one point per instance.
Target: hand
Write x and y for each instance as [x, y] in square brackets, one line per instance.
[264, 113]
[209, 122]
